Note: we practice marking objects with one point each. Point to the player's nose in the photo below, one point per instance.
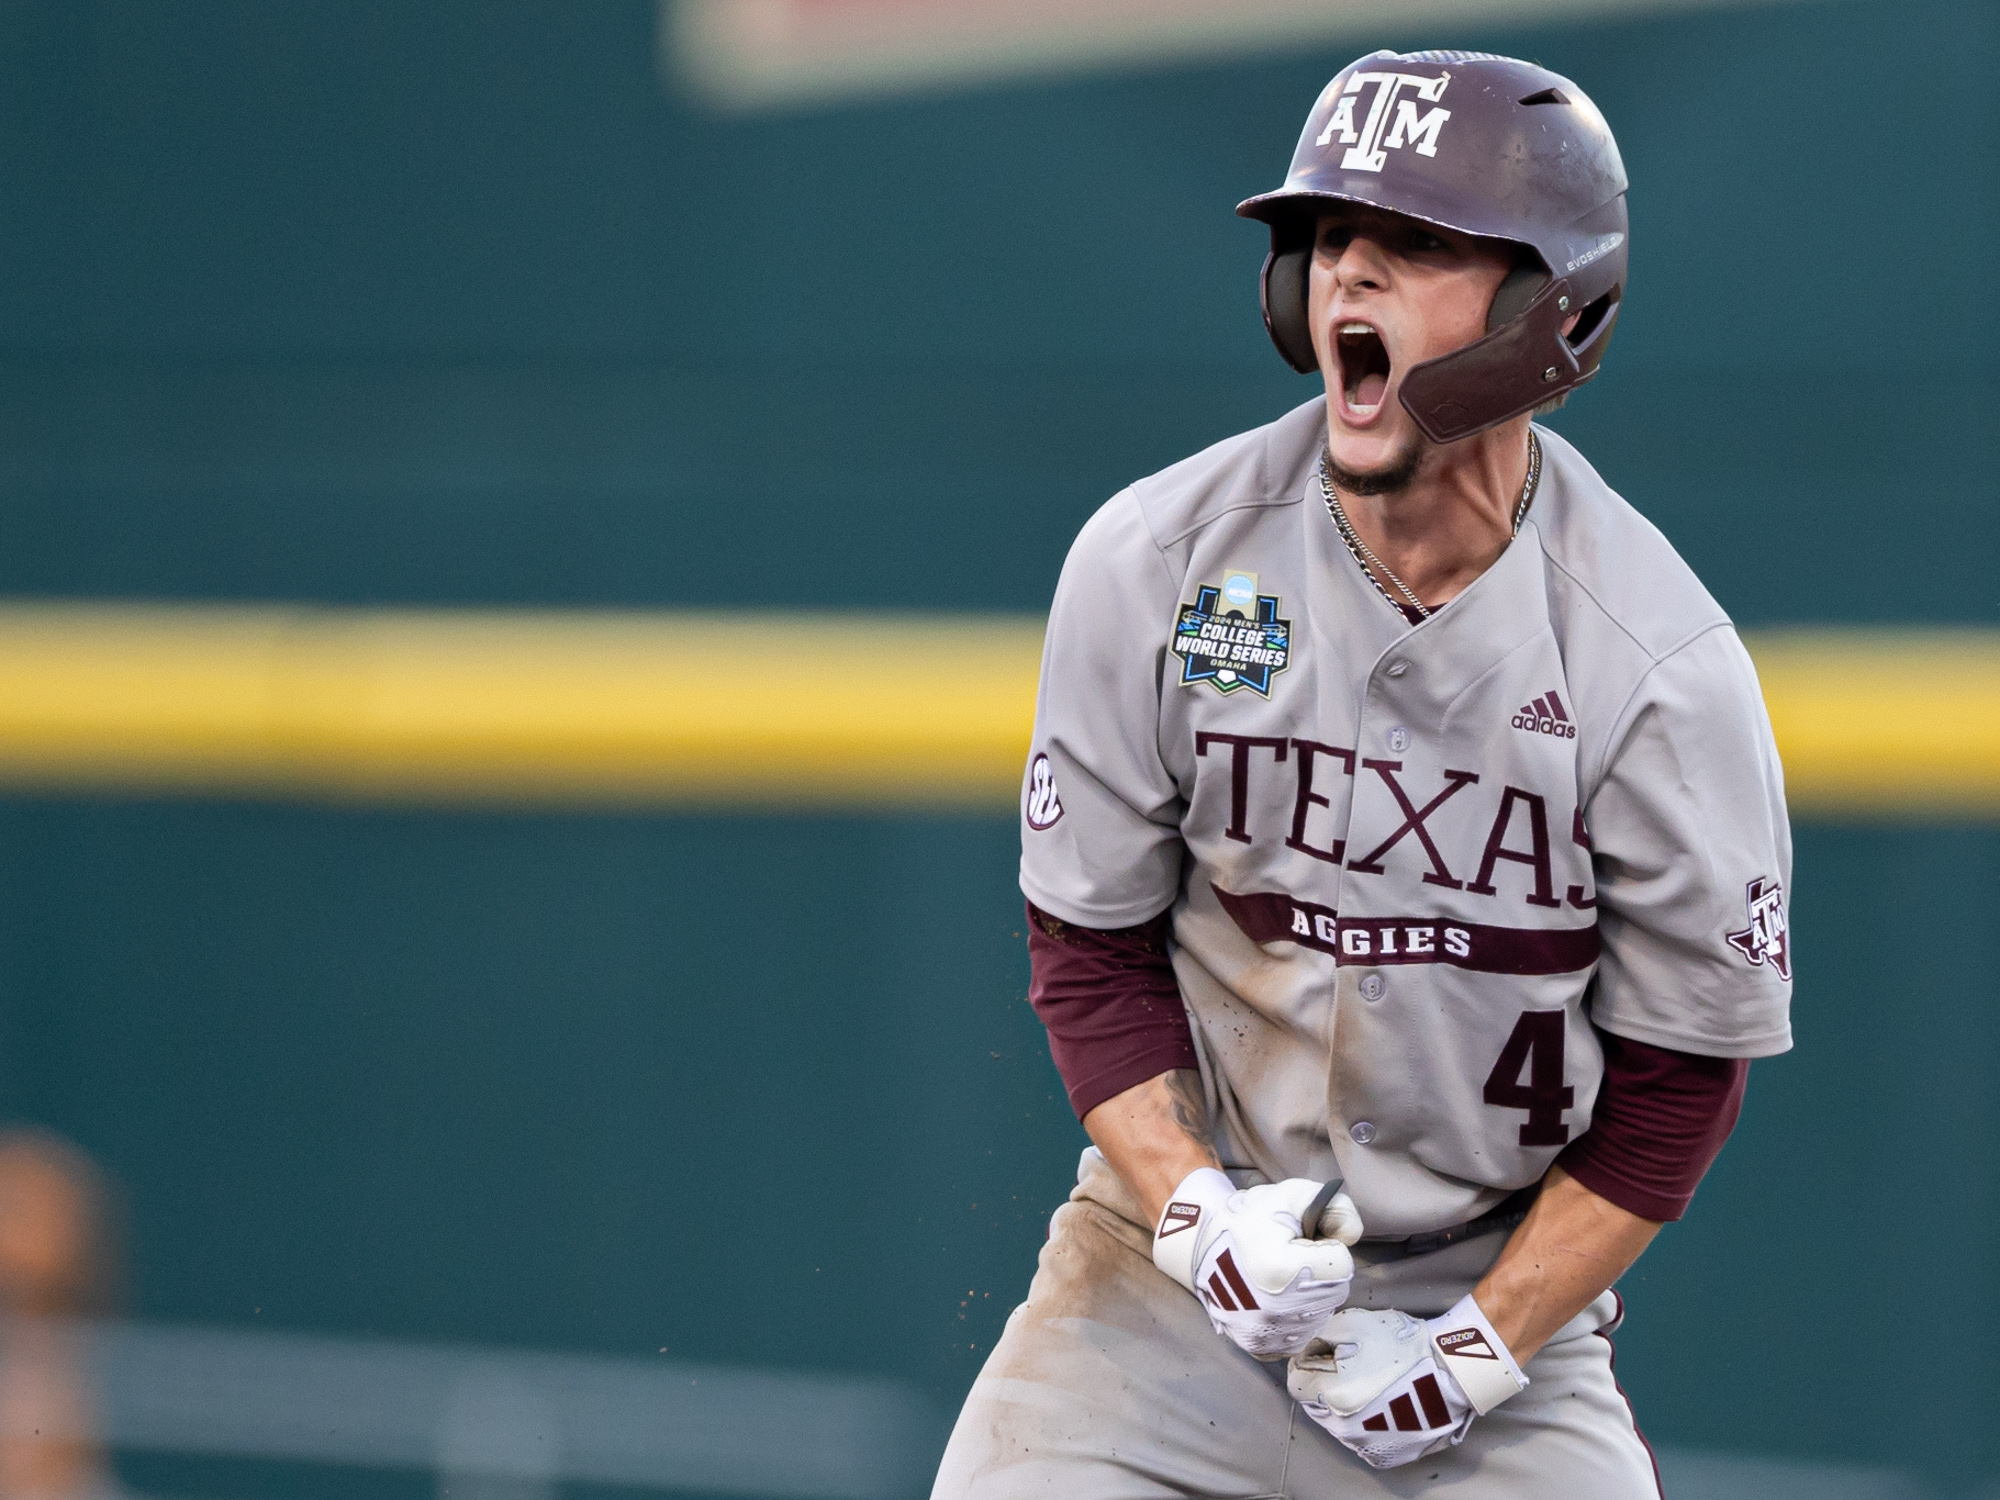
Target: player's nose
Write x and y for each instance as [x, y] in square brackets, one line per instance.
[1363, 265]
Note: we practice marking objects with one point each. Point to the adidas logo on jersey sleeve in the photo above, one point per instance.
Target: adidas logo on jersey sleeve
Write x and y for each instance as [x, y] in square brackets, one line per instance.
[1546, 715]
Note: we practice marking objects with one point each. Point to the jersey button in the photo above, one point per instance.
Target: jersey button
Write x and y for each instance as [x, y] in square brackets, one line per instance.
[1361, 1133]
[1397, 668]
[1399, 740]
[1372, 986]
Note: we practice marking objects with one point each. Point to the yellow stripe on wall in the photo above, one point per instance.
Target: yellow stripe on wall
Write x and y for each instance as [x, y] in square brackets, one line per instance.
[1885, 722]
[760, 709]
[642, 709]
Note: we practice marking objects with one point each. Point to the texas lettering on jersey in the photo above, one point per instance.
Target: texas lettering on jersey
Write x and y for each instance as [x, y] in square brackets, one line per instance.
[1509, 829]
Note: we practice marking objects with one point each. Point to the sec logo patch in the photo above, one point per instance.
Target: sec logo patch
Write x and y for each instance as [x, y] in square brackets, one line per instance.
[1044, 801]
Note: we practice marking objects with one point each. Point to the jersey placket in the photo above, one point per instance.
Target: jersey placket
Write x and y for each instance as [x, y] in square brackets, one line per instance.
[1420, 906]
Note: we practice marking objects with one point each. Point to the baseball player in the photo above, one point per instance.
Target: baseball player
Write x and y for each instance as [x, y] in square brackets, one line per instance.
[1406, 857]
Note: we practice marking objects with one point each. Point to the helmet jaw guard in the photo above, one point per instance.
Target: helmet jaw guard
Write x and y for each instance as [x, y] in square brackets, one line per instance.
[1515, 368]
[1529, 160]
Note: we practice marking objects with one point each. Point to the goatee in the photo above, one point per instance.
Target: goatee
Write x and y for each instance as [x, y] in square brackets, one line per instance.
[1386, 480]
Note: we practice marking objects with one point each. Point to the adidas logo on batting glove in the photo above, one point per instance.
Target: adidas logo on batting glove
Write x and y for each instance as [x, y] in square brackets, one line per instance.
[1394, 1389]
[1254, 1262]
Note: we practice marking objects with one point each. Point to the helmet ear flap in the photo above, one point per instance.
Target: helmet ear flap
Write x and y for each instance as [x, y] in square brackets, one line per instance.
[1513, 295]
[1283, 293]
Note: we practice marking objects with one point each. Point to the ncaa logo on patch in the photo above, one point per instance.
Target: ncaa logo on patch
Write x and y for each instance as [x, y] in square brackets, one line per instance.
[1044, 802]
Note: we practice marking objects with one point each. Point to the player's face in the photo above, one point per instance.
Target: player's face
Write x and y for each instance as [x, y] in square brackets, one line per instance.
[1388, 292]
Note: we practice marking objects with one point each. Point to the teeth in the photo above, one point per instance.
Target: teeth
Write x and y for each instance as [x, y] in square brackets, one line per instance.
[1355, 328]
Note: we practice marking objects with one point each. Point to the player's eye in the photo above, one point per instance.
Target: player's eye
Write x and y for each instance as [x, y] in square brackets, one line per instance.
[1335, 238]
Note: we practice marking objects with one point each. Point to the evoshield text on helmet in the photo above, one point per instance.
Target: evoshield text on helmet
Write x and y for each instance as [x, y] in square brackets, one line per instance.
[1488, 146]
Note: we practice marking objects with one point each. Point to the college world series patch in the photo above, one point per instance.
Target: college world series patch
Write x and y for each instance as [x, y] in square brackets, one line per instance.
[1231, 636]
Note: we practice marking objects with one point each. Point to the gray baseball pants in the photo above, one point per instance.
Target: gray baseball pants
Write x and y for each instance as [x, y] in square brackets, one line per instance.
[1108, 1384]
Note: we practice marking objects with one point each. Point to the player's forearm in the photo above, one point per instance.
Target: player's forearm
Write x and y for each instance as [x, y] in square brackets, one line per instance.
[1573, 1245]
[1154, 1134]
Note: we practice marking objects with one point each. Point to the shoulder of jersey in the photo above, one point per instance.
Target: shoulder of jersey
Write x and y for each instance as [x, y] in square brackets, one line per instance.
[1611, 561]
[1266, 466]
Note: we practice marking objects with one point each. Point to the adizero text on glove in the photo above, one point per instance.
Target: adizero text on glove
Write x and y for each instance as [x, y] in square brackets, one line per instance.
[1254, 1262]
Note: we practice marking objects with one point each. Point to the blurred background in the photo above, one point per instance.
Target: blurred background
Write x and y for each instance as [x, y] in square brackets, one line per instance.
[472, 1029]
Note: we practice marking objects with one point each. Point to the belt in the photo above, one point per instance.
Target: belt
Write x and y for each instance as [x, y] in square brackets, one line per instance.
[1505, 1215]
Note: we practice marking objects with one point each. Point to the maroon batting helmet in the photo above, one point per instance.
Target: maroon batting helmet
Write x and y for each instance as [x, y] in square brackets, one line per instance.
[1486, 145]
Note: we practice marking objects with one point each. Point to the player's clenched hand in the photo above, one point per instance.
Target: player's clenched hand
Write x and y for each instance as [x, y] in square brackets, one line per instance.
[1250, 1257]
[1393, 1388]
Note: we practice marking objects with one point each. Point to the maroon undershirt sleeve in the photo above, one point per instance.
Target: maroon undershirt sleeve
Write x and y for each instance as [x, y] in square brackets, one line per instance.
[1111, 1005]
[1660, 1118]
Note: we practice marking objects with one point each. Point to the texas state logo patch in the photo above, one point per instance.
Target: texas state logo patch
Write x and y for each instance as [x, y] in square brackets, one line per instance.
[1231, 636]
[1767, 940]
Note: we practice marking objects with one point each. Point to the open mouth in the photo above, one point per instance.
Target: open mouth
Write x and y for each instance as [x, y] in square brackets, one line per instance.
[1364, 366]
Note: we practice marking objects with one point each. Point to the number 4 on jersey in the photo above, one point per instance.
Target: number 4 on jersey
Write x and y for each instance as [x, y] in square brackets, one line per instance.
[1534, 1048]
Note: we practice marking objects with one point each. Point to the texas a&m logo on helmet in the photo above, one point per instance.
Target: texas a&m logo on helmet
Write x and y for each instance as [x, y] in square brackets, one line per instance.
[1393, 120]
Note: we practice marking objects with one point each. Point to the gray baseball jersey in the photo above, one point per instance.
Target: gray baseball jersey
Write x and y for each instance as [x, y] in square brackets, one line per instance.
[1409, 866]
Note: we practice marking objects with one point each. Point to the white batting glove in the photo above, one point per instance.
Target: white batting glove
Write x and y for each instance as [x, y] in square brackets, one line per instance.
[1394, 1389]
[1249, 1255]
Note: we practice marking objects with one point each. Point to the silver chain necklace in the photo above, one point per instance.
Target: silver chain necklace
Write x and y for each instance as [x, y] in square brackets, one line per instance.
[1371, 565]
